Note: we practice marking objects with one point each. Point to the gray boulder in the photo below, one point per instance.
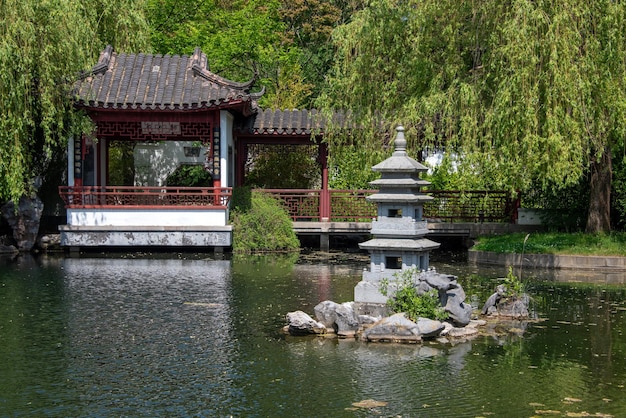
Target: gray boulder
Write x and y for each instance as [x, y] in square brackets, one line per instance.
[440, 281]
[24, 220]
[463, 332]
[514, 307]
[326, 313]
[493, 300]
[300, 323]
[397, 328]
[429, 327]
[347, 321]
[454, 303]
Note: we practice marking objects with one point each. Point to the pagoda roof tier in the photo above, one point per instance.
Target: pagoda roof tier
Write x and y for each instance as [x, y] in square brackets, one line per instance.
[157, 82]
[399, 244]
[382, 197]
[400, 162]
[400, 182]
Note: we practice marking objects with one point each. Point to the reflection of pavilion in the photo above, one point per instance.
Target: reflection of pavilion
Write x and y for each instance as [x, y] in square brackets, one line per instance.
[140, 323]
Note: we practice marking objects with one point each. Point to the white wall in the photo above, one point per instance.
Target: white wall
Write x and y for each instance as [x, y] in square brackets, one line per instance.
[226, 140]
[145, 217]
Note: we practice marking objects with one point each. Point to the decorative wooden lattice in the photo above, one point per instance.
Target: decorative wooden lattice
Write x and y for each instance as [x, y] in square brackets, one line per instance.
[301, 204]
[154, 131]
[351, 206]
[122, 196]
[446, 206]
[470, 206]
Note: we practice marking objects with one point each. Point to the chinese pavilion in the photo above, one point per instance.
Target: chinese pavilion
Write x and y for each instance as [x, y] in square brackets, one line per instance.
[170, 111]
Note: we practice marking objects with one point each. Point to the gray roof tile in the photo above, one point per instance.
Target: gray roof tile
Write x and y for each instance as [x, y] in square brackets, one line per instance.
[288, 122]
[145, 81]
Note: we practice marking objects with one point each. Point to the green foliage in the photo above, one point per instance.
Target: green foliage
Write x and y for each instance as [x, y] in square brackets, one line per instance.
[556, 243]
[514, 286]
[121, 163]
[264, 225]
[243, 39]
[43, 47]
[294, 167]
[563, 208]
[352, 167]
[618, 192]
[407, 299]
[530, 94]
[190, 176]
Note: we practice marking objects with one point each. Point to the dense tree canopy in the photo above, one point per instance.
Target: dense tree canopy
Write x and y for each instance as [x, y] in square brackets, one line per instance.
[527, 93]
[521, 94]
[286, 42]
[43, 46]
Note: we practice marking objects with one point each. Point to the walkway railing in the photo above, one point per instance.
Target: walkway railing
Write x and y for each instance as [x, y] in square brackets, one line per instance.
[89, 197]
[351, 205]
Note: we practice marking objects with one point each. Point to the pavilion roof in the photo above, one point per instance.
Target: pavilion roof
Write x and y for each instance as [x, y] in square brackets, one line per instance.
[158, 82]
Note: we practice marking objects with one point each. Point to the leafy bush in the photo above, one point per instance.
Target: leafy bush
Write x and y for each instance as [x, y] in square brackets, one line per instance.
[261, 224]
[514, 286]
[407, 299]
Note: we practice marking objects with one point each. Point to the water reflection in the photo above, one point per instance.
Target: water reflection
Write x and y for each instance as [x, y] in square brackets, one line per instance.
[196, 336]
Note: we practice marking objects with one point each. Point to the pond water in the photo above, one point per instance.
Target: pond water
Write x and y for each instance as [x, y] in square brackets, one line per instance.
[197, 335]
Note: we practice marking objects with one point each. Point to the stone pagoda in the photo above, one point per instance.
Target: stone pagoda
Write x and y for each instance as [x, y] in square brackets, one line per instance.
[398, 241]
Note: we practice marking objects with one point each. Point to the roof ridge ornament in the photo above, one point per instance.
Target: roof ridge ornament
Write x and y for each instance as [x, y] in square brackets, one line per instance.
[400, 142]
[104, 61]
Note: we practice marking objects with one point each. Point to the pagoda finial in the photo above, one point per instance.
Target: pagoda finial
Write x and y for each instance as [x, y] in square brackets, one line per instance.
[400, 142]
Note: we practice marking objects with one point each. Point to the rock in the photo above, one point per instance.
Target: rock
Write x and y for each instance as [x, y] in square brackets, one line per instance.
[48, 242]
[8, 249]
[492, 301]
[454, 303]
[367, 319]
[429, 327]
[346, 320]
[326, 313]
[423, 287]
[25, 221]
[300, 323]
[475, 323]
[446, 328]
[439, 281]
[462, 332]
[514, 307]
[397, 328]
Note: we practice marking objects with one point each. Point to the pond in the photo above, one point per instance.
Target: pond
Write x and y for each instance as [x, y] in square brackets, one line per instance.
[199, 335]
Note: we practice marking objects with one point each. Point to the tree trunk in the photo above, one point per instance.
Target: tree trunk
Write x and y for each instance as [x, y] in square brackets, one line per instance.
[599, 216]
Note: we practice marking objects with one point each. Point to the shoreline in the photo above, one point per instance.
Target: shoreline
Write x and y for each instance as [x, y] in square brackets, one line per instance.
[562, 268]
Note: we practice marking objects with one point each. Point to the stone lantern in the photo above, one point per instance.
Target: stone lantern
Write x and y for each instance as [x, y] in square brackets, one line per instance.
[398, 232]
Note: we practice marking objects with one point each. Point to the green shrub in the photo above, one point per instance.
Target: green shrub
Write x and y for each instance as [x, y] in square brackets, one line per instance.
[406, 299]
[261, 225]
[514, 286]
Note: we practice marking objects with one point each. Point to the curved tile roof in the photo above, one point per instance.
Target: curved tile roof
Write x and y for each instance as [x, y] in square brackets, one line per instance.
[288, 122]
[163, 82]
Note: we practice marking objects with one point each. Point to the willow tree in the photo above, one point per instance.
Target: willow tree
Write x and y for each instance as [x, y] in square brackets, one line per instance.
[526, 93]
[43, 47]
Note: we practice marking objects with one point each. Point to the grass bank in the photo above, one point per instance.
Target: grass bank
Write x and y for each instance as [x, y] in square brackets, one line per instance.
[613, 244]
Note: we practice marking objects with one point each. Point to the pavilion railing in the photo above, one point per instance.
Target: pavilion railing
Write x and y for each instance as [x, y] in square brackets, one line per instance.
[119, 197]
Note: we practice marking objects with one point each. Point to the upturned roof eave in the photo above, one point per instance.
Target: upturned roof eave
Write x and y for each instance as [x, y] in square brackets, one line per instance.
[185, 81]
